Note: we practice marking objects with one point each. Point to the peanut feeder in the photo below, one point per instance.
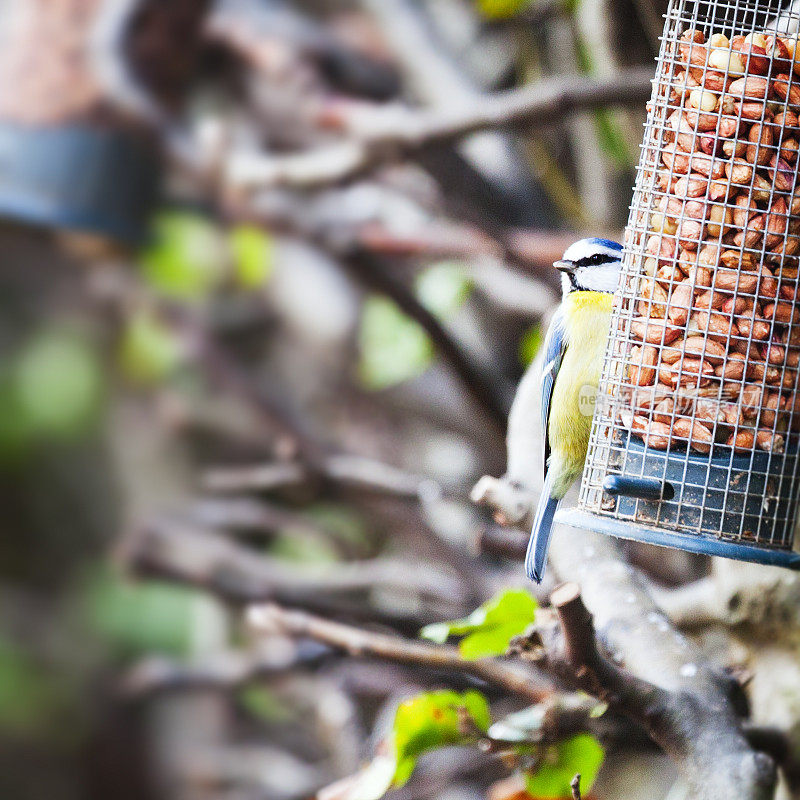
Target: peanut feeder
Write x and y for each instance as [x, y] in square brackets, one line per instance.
[696, 426]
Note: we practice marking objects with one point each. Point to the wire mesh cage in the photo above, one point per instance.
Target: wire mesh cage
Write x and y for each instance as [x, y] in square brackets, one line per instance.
[694, 439]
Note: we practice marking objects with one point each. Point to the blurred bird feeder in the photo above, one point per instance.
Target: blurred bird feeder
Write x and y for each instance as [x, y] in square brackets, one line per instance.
[695, 434]
[87, 87]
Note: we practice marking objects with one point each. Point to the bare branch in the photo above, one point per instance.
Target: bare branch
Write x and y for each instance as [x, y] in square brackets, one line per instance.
[377, 136]
[228, 670]
[172, 550]
[506, 542]
[346, 471]
[514, 678]
[692, 719]
[488, 390]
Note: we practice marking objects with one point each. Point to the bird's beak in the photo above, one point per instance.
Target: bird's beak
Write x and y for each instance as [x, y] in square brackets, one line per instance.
[564, 266]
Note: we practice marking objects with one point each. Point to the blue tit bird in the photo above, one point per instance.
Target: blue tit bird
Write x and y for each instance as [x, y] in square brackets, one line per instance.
[574, 349]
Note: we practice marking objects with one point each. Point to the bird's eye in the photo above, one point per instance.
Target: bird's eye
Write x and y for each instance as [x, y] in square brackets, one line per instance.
[595, 260]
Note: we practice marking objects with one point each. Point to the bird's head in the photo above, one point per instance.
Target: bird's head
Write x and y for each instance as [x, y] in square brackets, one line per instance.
[591, 265]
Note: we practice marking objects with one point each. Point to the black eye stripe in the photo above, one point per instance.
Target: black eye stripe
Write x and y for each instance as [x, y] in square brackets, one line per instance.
[595, 260]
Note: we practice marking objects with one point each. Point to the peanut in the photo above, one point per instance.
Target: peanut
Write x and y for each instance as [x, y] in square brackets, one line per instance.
[732, 369]
[782, 174]
[641, 370]
[680, 302]
[739, 172]
[654, 299]
[664, 410]
[751, 235]
[753, 328]
[691, 48]
[753, 55]
[709, 410]
[778, 54]
[710, 299]
[745, 210]
[729, 281]
[669, 274]
[654, 331]
[752, 87]
[772, 405]
[709, 350]
[788, 151]
[689, 372]
[697, 435]
[719, 221]
[715, 326]
[769, 441]
[726, 62]
[785, 313]
[782, 89]
[741, 442]
[655, 434]
[761, 140]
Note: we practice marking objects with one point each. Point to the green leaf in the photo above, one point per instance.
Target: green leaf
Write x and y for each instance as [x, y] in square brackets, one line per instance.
[443, 289]
[393, 347]
[29, 698]
[561, 762]
[488, 630]
[422, 723]
[149, 349]
[530, 344]
[187, 257]
[501, 9]
[58, 385]
[432, 720]
[141, 617]
[297, 546]
[253, 256]
[264, 704]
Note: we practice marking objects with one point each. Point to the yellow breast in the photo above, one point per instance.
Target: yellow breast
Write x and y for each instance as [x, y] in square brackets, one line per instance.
[587, 316]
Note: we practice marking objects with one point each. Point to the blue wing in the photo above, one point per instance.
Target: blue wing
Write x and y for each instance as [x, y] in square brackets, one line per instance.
[555, 345]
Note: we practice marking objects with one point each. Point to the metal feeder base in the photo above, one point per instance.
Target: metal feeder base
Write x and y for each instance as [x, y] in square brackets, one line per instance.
[97, 181]
[694, 543]
[744, 499]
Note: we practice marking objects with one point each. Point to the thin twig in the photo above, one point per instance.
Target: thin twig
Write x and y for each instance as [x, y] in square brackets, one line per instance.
[361, 643]
[488, 390]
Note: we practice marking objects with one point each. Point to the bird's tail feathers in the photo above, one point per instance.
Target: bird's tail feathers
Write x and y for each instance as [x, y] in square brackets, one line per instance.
[536, 557]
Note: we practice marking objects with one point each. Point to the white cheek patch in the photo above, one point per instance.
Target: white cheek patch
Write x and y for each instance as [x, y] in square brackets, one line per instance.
[601, 278]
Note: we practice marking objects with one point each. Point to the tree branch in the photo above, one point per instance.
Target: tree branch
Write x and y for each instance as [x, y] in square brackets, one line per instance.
[514, 678]
[693, 719]
[171, 550]
[345, 471]
[487, 389]
[508, 543]
[227, 670]
[377, 136]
